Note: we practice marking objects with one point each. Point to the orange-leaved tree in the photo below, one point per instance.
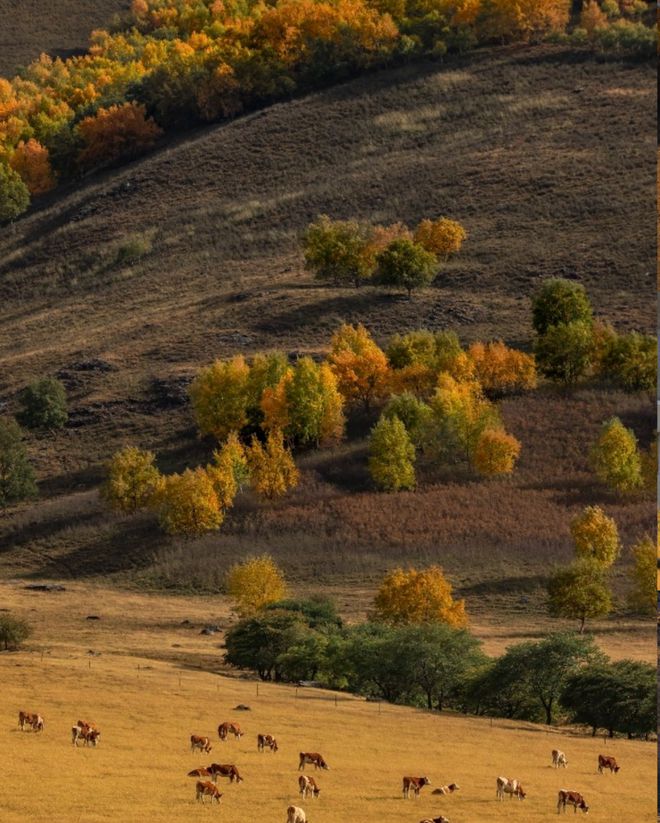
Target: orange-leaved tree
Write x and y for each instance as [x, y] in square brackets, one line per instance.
[119, 132]
[442, 237]
[500, 369]
[418, 596]
[495, 453]
[359, 364]
[31, 161]
[188, 504]
[272, 468]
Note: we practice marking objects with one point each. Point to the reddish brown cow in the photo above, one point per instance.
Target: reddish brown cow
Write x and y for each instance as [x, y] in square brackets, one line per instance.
[227, 728]
[199, 742]
[225, 770]
[606, 761]
[570, 798]
[414, 785]
[31, 719]
[206, 789]
[87, 732]
[312, 758]
[308, 786]
[266, 741]
[201, 773]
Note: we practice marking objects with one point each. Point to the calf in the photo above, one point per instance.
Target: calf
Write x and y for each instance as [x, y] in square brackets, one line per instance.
[266, 741]
[559, 759]
[308, 786]
[202, 773]
[225, 770]
[450, 789]
[295, 814]
[511, 787]
[204, 789]
[606, 761]
[570, 798]
[414, 785]
[225, 729]
[312, 758]
[201, 743]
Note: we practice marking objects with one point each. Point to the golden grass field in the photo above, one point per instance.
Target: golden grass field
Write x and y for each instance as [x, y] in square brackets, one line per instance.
[138, 771]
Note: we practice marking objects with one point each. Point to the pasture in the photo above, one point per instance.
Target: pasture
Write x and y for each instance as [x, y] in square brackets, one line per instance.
[146, 707]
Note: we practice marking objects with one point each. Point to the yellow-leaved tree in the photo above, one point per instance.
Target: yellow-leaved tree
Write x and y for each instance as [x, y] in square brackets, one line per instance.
[255, 583]
[495, 453]
[391, 455]
[644, 595]
[615, 457]
[359, 364]
[219, 396]
[500, 369]
[132, 480]
[442, 237]
[229, 470]
[595, 536]
[418, 596]
[271, 466]
[188, 504]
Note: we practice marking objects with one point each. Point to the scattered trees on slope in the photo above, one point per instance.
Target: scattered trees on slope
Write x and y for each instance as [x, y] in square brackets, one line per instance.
[17, 479]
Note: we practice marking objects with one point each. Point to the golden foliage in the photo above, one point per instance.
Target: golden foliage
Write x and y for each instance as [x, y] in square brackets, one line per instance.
[418, 597]
[391, 455]
[188, 504]
[255, 583]
[495, 453]
[615, 457]
[442, 237]
[31, 161]
[500, 369]
[271, 466]
[132, 480]
[593, 17]
[118, 132]
[644, 596]
[229, 470]
[595, 536]
[360, 366]
[219, 396]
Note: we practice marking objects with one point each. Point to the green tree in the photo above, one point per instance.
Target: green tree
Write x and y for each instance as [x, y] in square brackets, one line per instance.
[631, 361]
[564, 353]
[43, 405]
[501, 688]
[560, 302]
[413, 413]
[391, 455]
[407, 265]
[595, 536]
[17, 480]
[14, 194]
[132, 481]
[336, 251]
[579, 591]
[13, 631]
[644, 595]
[615, 457]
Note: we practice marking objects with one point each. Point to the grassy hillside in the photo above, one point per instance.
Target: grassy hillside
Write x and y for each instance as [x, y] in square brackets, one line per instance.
[545, 155]
[59, 28]
[146, 715]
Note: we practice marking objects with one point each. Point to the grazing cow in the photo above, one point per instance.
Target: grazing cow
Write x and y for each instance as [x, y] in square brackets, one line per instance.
[312, 758]
[574, 799]
[225, 729]
[511, 787]
[90, 737]
[225, 770]
[308, 786]
[559, 759]
[450, 789]
[32, 719]
[440, 819]
[202, 773]
[414, 785]
[606, 761]
[201, 743]
[87, 732]
[266, 741]
[294, 814]
[38, 723]
[204, 788]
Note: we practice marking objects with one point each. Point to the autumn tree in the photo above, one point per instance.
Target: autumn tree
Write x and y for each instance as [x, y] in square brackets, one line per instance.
[507, 20]
[43, 405]
[418, 596]
[442, 237]
[336, 251]
[631, 361]
[132, 480]
[418, 357]
[559, 302]
[391, 455]
[14, 194]
[255, 583]
[495, 453]
[580, 591]
[415, 415]
[500, 369]
[407, 265]
[120, 132]
[188, 504]
[219, 396]
[595, 536]
[272, 468]
[360, 366]
[564, 353]
[17, 478]
[31, 161]
[229, 470]
[643, 596]
[615, 457]
[266, 371]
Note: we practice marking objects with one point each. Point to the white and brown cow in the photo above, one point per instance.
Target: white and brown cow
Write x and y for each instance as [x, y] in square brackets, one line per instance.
[87, 732]
[266, 741]
[440, 819]
[566, 797]
[450, 789]
[414, 785]
[313, 758]
[32, 720]
[227, 728]
[559, 759]
[200, 742]
[205, 788]
[225, 770]
[294, 814]
[606, 761]
[308, 786]
[512, 787]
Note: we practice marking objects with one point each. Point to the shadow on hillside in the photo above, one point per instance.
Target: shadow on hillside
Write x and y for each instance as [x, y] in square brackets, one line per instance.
[506, 585]
[358, 302]
[80, 480]
[23, 535]
[346, 471]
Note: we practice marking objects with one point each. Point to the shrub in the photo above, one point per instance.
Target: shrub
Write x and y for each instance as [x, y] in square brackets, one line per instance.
[336, 251]
[407, 265]
[255, 583]
[133, 248]
[13, 631]
[615, 457]
[17, 480]
[391, 455]
[564, 353]
[595, 536]
[495, 453]
[580, 591]
[14, 194]
[558, 303]
[630, 360]
[418, 596]
[43, 405]
[133, 481]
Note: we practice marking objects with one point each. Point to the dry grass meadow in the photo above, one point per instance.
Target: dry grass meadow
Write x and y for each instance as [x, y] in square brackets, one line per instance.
[147, 705]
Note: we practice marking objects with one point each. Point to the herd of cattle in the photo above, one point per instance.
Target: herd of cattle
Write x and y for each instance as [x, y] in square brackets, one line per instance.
[207, 776]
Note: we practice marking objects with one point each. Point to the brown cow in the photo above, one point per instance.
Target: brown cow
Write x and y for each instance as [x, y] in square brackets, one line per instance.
[225, 770]
[227, 728]
[414, 785]
[308, 786]
[574, 799]
[266, 741]
[87, 732]
[606, 761]
[32, 719]
[440, 819]
[312, 758]
[450, 789]
[206, 789]
[199, 742]
[201, 773]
